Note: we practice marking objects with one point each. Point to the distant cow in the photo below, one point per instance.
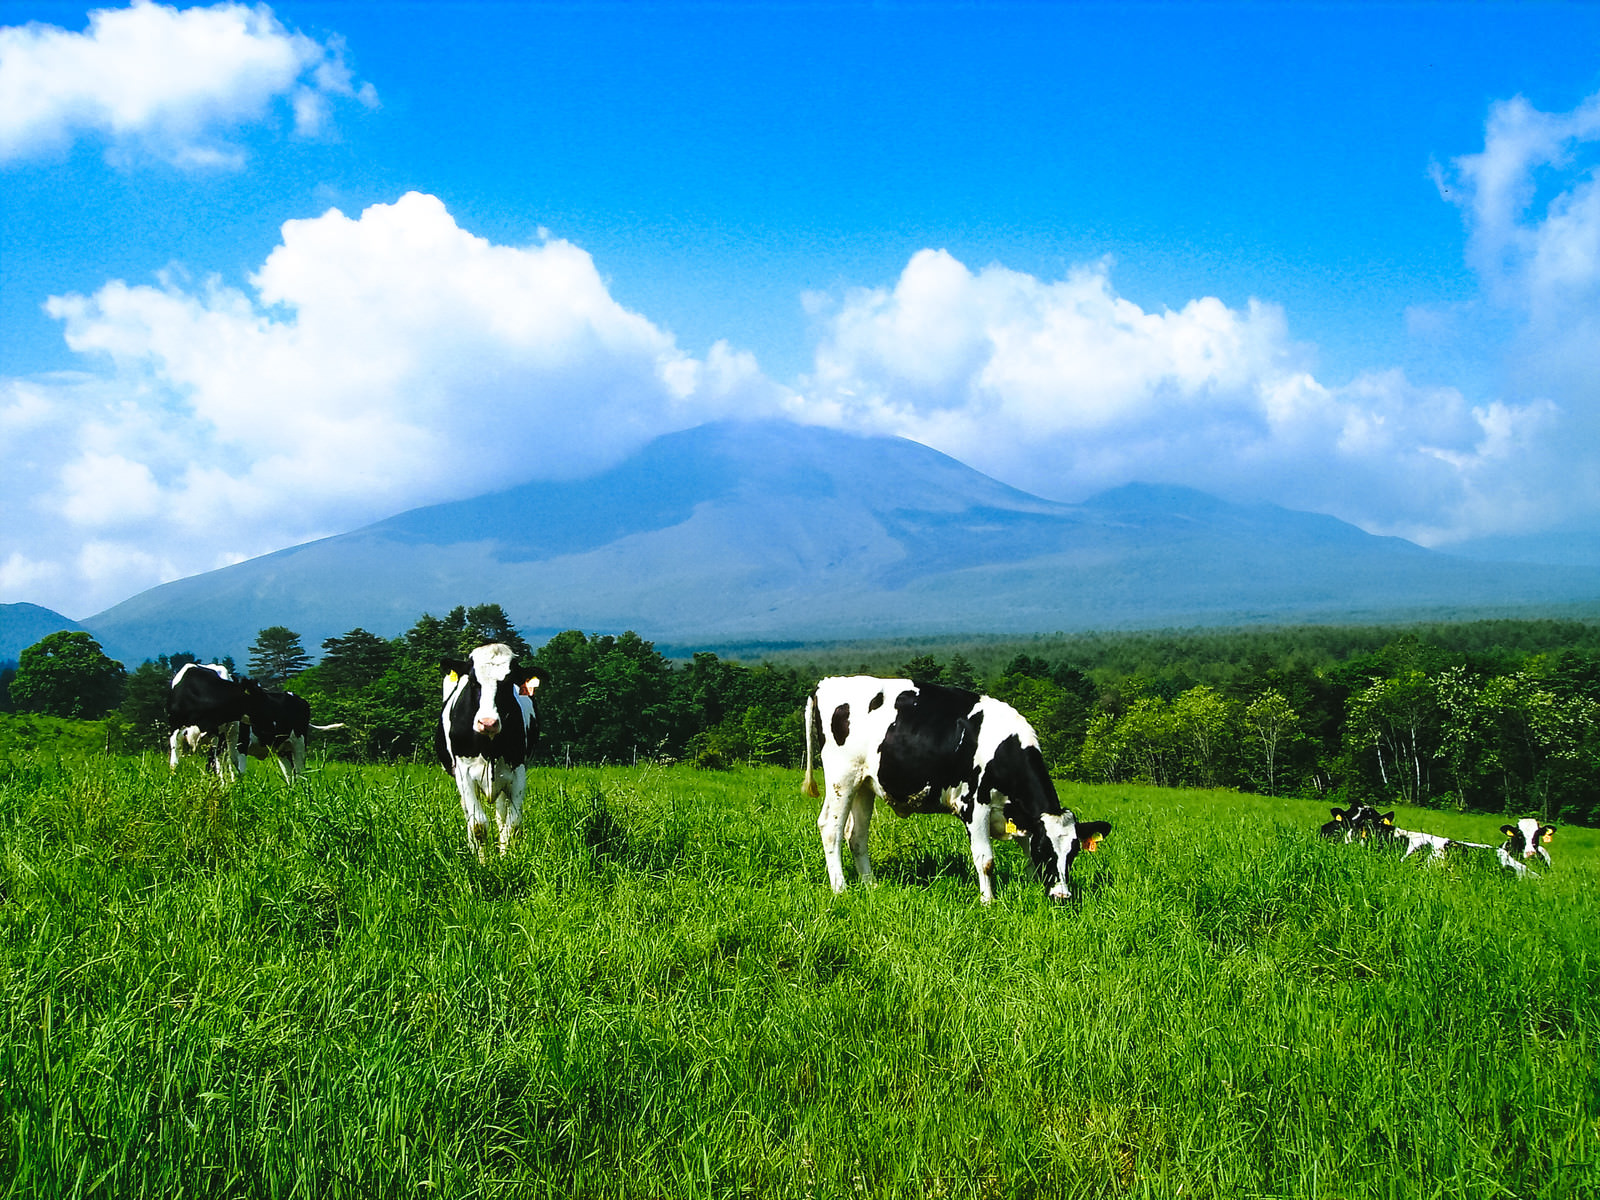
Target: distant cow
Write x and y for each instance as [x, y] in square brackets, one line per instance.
[485, 734]
[278, 723]
[1524, 841]
[925, 748]
[205, 708]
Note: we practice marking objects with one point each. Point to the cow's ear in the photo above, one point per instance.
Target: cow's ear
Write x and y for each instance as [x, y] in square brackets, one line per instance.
[1508, 830]
[449, 668]
[1090, 832]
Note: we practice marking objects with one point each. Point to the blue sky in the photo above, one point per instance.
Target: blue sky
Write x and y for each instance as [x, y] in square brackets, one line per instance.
[273, 272]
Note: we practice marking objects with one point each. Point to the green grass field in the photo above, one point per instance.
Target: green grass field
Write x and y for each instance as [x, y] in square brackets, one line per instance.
[316, 991]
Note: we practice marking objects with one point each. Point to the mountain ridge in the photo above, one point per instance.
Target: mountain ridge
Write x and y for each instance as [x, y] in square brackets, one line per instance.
[748, 531]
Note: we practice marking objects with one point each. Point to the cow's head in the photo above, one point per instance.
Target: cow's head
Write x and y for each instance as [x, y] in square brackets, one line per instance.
[1528, 839]
[1359, 822]
[1055, 842]
[490, 683]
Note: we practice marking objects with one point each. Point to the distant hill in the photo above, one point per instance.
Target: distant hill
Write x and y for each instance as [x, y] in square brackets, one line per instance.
[21, 625]
[766, 531]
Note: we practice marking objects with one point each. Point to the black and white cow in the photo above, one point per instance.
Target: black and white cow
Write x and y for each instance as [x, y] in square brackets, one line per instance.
[205, 709]
[1356, 823]
[924, 748]
[485, 734]
[1525, 842]
[278, 723]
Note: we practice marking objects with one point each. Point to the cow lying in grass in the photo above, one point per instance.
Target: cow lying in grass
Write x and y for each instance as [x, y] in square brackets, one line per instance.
[924, 748]
[1356, 823]
[1524, 841]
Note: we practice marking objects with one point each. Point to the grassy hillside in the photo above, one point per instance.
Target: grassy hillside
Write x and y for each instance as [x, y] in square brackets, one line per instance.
[317, 992]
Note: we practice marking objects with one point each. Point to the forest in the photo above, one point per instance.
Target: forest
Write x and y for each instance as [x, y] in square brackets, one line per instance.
[1497, 716]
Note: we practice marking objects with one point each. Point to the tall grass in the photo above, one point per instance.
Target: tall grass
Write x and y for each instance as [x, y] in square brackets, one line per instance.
[318, 991]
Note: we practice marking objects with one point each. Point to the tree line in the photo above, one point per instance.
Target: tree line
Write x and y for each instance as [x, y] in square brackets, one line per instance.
[1495, 716]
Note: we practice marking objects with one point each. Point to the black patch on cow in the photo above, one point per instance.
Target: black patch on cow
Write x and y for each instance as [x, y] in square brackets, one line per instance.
[875, 703]
[840, 724]
[455, 736]
[274, 718]
[930, 747]
[204, 698]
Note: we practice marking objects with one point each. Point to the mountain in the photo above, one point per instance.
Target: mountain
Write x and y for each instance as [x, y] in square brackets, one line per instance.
[21, 625]
[765, 530]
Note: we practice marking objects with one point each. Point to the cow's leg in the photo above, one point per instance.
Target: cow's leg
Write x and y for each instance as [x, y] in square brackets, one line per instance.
[472, 807]
[297, 759]
[174, 742]
[830, 824]
[982, 851]
[508, 806]
[857, 823]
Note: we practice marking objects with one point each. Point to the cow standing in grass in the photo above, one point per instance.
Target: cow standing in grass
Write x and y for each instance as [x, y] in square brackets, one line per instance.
[485, 734]
[278, 724]
[924, 748]
[206, 707]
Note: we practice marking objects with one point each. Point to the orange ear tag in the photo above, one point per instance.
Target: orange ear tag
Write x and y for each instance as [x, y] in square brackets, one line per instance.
[1092, 845]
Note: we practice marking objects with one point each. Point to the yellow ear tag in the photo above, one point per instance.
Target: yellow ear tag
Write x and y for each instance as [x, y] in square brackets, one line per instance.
[528, 685]
[454, 675]
[1387, 821]
[1092, 845]
[1011, 829]
[1338, 816]
[1546, 838]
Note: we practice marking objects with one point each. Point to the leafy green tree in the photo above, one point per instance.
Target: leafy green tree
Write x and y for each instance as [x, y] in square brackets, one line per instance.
[139, 722]
[1399, 720]
[487, 623]
[961, 674]
[924, 668]
[1272, 720]
[353, 661]
[1202, 723]
[67, 674]
[276, 656]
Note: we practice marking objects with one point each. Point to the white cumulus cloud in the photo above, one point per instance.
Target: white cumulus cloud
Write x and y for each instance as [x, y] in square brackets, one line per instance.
[379, 363]
[1064, 387]
[168, 83]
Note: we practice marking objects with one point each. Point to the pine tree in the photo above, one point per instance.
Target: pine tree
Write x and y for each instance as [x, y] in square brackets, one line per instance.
[276, 655]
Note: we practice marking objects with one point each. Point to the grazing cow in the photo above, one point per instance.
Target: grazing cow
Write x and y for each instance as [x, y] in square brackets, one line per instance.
[1357, 822]
[278, 723]
[1525, 840]
[924, 748]
[485, 734]
[205, 708]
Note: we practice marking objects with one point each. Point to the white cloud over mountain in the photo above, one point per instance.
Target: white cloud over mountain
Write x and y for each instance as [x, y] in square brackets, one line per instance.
[159, 82]
[1065, 388]
[382, 362]
[394, 359]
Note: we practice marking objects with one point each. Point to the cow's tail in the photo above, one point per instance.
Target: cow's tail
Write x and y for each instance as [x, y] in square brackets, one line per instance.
[325, 728]
[809, 787]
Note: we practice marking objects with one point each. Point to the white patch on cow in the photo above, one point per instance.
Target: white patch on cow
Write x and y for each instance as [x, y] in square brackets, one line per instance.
[1431, 845]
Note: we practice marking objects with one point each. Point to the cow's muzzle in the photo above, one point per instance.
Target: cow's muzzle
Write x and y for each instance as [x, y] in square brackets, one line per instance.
[488, 726]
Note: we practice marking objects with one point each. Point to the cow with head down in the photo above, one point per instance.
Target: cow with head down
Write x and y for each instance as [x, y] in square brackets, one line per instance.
[925, 748]
[485, 735]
